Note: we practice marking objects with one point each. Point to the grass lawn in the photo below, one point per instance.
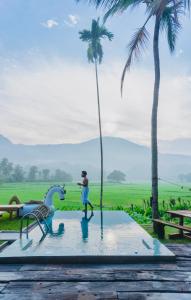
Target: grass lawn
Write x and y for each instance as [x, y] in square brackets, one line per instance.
[13, 224]
[115, 195]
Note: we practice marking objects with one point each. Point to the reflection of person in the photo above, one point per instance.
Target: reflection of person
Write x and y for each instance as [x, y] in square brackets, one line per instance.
[84, 226]
[85, 191]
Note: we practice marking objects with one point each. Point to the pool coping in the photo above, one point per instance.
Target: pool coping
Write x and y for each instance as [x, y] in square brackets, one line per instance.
[92, 259]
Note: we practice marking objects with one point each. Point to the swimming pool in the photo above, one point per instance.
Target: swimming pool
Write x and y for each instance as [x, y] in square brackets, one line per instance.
[112, 236]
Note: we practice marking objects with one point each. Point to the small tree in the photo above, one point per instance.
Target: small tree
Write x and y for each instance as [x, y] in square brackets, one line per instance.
[6, 169]
[62, 176]
[45, 174]
[32, 173]
[116, 176]
[18, 174]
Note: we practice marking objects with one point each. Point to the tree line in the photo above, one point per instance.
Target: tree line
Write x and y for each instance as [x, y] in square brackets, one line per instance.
[10, 172]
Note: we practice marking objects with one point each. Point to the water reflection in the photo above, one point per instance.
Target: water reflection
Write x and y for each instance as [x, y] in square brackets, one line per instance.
[84, 226]
[101, 217]
[156, 246]
[59, 231]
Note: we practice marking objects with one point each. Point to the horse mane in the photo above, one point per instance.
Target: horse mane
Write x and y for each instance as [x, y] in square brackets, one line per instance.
[52, 186]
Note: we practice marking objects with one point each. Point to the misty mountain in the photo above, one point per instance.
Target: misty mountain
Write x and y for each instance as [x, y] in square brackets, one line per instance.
[121, 154]
[178, 146]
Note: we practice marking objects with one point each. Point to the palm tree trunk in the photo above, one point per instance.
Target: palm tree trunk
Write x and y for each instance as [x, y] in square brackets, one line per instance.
[100, 135]
[154, 146]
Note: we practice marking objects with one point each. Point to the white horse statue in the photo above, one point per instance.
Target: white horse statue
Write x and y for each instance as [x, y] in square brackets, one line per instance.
[48, 199]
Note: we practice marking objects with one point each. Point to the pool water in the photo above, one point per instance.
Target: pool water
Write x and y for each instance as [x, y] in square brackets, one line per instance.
[112, 236]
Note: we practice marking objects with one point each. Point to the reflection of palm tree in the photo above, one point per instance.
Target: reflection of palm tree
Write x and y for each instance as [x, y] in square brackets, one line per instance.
[84, 226]
[95, 55]
[101, 216]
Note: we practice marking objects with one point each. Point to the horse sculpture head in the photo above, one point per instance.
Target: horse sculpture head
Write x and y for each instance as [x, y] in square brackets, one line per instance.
[48, 199]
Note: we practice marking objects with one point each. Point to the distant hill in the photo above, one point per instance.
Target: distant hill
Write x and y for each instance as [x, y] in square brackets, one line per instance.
[121, 154]
[178, 146]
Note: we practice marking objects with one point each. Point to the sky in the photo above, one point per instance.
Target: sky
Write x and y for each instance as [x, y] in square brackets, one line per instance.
[47, 86]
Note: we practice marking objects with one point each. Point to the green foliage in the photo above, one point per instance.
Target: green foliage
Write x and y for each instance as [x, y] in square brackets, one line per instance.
[168, 13]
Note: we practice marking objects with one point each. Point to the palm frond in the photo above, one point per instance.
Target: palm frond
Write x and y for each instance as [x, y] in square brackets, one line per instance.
[93, 37]
[119, 7]
[90, 54]
[137, 44]
[105, 33]
[85, 35]
[103, 3]
[170, 23]
[156, 7]
[186, 5]
[99, 52]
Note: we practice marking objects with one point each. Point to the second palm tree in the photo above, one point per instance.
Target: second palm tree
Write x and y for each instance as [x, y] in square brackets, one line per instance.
[95, 55]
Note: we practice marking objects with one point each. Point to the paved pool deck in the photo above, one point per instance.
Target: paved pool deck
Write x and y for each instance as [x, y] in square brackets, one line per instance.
[107, 237]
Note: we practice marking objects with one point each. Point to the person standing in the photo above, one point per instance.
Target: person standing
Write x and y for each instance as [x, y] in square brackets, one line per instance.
[85, 191]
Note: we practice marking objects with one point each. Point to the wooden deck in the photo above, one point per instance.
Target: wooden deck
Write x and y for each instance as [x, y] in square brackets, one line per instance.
[93, 282]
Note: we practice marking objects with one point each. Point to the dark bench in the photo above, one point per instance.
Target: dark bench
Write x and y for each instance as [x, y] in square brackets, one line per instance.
[161, 225]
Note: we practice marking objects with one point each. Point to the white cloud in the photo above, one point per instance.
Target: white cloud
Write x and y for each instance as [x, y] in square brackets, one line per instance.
[72, 20]
[179, 53]
[55, 102]
[50, 23]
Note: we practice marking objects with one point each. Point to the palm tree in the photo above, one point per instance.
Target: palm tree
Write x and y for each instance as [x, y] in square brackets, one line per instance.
[95, 55]
[166, 14]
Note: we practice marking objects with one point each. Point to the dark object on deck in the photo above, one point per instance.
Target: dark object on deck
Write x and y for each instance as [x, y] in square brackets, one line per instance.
[34, 202]
[39, 214]
[11, 208]
[161, 225]
[14, 200]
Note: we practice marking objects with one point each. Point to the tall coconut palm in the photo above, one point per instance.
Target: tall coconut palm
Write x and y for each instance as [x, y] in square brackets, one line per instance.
[95, 55]
[166, 14]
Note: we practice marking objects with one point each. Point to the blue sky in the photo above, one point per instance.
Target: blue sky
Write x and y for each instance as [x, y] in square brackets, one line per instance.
[21, 29]
[43, 63]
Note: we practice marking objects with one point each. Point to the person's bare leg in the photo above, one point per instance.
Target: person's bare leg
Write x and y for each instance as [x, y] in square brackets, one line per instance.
[92, 208]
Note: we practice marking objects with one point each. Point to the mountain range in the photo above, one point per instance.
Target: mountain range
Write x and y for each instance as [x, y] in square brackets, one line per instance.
[131, 158]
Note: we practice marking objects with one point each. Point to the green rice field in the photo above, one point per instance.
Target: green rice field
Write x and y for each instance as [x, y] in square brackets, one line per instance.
[115, 195]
